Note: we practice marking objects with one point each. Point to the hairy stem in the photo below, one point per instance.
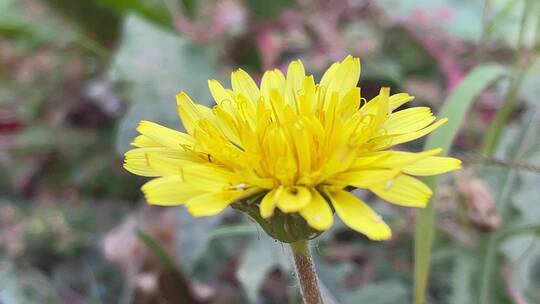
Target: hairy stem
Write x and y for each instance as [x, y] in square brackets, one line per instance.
[305, 272]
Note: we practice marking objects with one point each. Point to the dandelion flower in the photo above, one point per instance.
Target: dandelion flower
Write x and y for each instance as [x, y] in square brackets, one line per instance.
[298, 146]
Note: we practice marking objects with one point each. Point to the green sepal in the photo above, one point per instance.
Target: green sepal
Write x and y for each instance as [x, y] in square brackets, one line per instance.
[284, 227]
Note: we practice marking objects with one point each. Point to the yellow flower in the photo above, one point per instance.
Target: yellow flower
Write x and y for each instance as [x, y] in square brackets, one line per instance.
[298, 145]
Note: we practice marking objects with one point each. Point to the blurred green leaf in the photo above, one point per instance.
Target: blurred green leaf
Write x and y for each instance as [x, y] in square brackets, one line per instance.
[455, 108]
[235, 230]
[14, 22]
[156, 249]
[194, 236]
[12, 18]
[179, 278]
[463, 19]
[506, 23]
[190, 6]
[91, 18]
[262, 255]
[459, 18]
[18, 286]
[268, 9]
[520, 242]
[331, 276]
[155, 11]
[155, 65]
[464, 268]
[516, 144]
[530, 88]
[384, 292]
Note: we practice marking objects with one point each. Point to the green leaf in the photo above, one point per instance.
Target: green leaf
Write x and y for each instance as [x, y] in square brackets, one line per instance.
[459, 18]
[182, 284]
[24, 286]
[523, 254]
[155, 65]
[194, 236]
[83, 14]
[517, 239]
[455, 108]
[514, 19]
[15, 22]
[156, 249]
[155, 11]
[262, 255]
[268, 9]
[384, 292]
[190, 6]
[463, 270]
[234, 230]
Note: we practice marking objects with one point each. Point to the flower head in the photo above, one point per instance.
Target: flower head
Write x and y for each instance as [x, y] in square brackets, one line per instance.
[298, 146]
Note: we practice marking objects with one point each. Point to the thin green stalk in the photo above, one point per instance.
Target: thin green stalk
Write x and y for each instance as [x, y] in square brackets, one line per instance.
[490, 257]
[493, 135]
[182, 284]
[92, 46]
[484, 34]
[523, 23]
[305, 272]
[455, 108]
[491, 140]
[530, 229]
[486, 288]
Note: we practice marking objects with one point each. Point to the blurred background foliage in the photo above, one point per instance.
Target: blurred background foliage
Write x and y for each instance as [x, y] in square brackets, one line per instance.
[77, 76]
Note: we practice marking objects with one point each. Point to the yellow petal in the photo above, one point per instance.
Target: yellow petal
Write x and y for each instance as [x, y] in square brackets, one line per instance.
[213, 203]
[328, 76]
[364, 160]
[165, 165]
[307, 96]
[318, 213]
[403, 138]
[432, 166]
[295, 79]
[409, 120]
[304, 146]
[381, 106]
[395, 101]
[399, 159]
[399, 99]
[227, 124]
[292, 199]
[243, 84]
[350, 103]
[168, 191]
[404, 190]
[190, 112]
[358, 215]
[209, 178]
[219, 93]
[210, 203]
[268, 204]
[142, 141]
[346, 77]
[272, 80]
[163, 135]
[136, 160]
[364, 178]
[140, 167]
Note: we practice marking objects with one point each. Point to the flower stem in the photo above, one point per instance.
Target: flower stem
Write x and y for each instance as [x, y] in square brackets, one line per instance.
[305, 272]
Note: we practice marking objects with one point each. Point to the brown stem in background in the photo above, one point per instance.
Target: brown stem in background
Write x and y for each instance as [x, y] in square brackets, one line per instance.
[306, 274]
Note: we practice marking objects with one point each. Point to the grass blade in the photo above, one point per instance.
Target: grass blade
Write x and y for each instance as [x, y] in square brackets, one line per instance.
[182, 283]
[454, 108]
[489, 251]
